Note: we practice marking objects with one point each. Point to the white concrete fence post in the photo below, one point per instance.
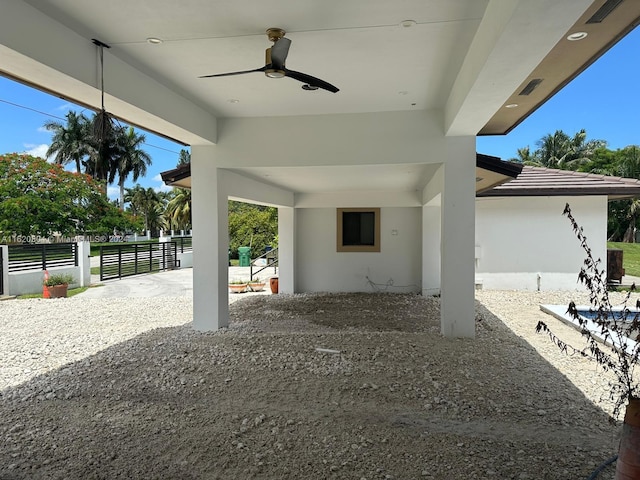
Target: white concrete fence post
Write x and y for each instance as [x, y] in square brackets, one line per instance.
[84, 263]
[4, 251]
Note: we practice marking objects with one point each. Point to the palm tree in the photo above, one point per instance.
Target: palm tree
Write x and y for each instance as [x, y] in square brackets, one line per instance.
[178, 210]
[105, 151]
[148, 203]
[184, 158]
[526, 157]
[629, 166]
[69, 142]
[131, 196]
[629, 162]
[133, 160]
[558, 150]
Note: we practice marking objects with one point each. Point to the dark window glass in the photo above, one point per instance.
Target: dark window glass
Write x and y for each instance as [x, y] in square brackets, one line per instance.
[358, 228]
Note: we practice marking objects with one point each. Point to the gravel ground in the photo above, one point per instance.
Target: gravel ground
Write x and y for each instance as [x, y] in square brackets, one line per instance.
[126, 389]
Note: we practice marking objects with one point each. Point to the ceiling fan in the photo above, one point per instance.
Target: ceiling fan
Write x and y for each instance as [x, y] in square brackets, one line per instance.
[274, 64]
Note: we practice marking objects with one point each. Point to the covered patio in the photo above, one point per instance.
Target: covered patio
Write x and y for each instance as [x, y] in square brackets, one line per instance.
[417, 82]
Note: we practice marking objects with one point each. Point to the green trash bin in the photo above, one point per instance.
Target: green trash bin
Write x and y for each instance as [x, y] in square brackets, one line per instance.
[244, 254]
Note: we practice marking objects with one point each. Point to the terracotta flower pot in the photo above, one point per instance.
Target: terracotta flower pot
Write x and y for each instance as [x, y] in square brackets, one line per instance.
[237, 287]
[256, 286]
[628, 464]
[58, 291]
[273, 283]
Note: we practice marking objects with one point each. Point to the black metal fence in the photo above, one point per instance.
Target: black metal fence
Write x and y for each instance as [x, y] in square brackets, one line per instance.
[184, 244]
[126, 259]
[271, 260]
[41, 256]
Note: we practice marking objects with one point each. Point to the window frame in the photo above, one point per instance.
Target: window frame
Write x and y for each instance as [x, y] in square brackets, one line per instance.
[340, 247]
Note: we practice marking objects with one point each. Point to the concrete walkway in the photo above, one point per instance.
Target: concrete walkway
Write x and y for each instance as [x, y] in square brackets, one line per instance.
[172, 283]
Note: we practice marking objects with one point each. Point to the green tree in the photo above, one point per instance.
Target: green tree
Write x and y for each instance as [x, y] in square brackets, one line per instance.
[627, 164]
[559, 150]
[525, 157]
[103, 147]
[40, 198]
[178, 212]
[184, 158]
[69, 142]
[254, 226]
[148, 204]
[132, 159]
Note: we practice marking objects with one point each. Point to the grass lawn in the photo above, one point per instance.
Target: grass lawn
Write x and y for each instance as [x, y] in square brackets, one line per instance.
[70, 293]
[630, 256]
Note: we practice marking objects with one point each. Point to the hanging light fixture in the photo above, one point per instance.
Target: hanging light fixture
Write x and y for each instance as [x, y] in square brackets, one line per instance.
[103, 122]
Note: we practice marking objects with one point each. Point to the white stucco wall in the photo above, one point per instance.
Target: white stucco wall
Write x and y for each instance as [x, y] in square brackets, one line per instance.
[527, 244]
[319, 267]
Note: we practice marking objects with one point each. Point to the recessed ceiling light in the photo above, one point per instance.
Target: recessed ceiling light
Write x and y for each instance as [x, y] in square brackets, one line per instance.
[403, 92]
[576, 36]
[154, 40]
[233, 100]
[511, 105]
[408, 23]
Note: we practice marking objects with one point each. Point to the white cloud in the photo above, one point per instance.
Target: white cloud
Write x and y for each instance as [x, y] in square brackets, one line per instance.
[66, 106]
[113, 193]
[37, 150]
[43, 130]
[162, 187]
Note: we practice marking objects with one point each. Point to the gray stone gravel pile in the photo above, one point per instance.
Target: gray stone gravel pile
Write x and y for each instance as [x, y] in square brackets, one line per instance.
[126, 389]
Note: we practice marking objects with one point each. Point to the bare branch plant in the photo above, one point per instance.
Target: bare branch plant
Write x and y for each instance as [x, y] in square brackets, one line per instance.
[614, 343]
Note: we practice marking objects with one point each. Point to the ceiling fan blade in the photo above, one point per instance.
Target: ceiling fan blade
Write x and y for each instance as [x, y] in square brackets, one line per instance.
[261, 69]
[279, 53]
[313, 81]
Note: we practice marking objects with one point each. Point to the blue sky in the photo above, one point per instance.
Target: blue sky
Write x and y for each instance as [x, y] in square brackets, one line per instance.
[24, 110]
[604, 100]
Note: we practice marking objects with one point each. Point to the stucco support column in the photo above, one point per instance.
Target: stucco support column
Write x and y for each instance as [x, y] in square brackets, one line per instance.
[286, 249]
[431, 257]
[457, 311]
[210, 242]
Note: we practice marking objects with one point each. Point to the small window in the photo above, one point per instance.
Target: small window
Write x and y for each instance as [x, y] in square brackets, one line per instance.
[358, 230]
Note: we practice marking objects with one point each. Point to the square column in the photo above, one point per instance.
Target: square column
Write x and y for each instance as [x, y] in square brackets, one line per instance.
[431, 255]
[286, 249]
[210, 242]
[457, 306]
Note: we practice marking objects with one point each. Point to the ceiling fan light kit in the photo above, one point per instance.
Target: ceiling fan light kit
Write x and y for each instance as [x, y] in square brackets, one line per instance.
[274, 67]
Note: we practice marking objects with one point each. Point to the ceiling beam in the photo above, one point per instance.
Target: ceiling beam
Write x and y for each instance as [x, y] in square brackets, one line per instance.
[513, 38]
[56, 59]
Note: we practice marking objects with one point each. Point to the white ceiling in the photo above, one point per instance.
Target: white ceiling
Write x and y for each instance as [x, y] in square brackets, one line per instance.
[408, 177]
[356, 45]
[465, 58]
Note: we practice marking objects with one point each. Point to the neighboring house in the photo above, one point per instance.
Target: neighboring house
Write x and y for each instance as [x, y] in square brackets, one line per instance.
[395, 260]
[523, 242]
[418, 80]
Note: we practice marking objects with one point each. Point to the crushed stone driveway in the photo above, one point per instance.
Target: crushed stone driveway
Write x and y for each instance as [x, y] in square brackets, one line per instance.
[171, 283]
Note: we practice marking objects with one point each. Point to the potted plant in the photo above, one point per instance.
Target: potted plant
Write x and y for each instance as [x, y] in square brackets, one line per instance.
[615, 345]
[57, 284]
[237, 286]
[273, 283]
[256, 285]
